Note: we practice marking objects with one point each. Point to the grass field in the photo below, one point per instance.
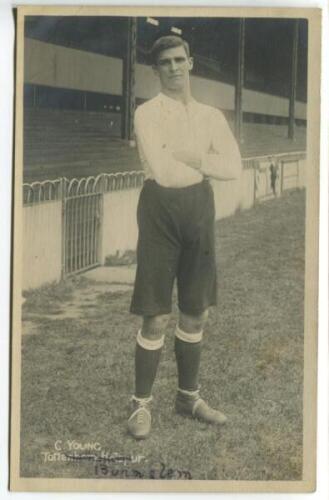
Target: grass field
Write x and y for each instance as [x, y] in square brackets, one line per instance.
[77, 372]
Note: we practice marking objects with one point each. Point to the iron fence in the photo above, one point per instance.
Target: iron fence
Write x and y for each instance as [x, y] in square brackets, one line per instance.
[82, 215]
[57, 189]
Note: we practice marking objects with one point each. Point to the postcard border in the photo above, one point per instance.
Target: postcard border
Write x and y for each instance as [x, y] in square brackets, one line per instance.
[17, 483]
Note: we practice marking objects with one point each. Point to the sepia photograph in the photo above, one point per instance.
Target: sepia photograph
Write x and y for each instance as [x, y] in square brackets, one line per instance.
[165, 249]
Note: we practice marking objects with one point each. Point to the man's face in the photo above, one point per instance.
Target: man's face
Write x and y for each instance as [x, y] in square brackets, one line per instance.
[173, 67]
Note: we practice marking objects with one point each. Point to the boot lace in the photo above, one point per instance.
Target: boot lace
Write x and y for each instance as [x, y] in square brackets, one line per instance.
[141, 404]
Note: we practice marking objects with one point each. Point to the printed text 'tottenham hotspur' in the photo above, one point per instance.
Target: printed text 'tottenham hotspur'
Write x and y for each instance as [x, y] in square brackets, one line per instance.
[73, 450]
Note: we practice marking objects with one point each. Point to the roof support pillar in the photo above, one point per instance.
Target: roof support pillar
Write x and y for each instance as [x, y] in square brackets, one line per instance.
[293, 80]
[238, 117]
[128, 81]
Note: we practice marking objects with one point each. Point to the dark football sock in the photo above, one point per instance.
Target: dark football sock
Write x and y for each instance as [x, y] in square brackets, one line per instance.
[147, 357]
[188, 356]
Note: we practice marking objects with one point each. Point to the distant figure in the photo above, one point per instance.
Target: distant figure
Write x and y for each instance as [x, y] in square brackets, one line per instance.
[181, 143]
[274, 171]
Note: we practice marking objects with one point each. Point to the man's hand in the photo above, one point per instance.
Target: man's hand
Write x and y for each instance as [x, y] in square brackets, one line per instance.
[191, 159]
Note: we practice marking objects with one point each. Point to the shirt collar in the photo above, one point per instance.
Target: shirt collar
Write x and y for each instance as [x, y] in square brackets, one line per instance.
[174, 104]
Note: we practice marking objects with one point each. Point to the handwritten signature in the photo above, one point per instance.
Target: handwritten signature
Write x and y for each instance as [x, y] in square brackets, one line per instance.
[108, 467]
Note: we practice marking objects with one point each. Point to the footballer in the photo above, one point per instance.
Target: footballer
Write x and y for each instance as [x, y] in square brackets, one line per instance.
[181, 143]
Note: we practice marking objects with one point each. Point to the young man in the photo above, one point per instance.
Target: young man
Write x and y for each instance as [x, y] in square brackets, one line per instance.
[181, 143]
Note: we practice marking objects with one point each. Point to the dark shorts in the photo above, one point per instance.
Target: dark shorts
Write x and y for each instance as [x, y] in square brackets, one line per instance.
[176, 241]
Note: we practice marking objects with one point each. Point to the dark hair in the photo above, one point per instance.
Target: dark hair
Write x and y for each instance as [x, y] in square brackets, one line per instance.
[167, 42]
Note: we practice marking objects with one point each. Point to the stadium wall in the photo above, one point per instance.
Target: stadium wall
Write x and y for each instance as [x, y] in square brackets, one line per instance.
[64, 68]
[119, 222]
[57, 66]
[42, 243]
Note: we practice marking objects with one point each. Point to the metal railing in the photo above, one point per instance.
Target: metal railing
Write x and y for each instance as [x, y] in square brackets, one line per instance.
[254, 161]
[52, 190]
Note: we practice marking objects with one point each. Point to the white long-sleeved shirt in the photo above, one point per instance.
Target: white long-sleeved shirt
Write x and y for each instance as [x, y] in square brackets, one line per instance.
[164, 125]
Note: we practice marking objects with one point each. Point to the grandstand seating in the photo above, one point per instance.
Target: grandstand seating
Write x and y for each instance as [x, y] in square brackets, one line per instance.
[75, 144]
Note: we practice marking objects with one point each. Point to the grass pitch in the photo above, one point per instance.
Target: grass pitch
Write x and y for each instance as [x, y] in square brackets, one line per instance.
[77, 373]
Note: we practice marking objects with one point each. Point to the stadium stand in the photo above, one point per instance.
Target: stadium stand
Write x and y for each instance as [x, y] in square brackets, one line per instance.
[73, 144]
[78, 144]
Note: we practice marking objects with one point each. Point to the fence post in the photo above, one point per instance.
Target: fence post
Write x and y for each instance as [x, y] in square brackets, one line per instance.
[101, 221]
[298, 175]
[255, 168]
[62, 198]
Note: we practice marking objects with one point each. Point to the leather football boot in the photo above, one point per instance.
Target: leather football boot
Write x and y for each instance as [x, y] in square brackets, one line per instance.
[139, 422]
[194, 406]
